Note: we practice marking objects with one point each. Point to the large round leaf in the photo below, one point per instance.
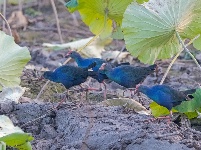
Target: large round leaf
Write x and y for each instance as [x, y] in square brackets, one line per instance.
[150, 29]
[13, 58]
[93, 13]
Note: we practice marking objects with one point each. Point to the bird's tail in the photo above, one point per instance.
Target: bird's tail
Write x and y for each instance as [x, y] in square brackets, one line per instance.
[92, 74]
[188, 93]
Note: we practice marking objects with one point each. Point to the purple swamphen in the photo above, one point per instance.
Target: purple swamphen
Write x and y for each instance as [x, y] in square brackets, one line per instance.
[69, 76]
[85, 62]
[165, 95]
[126, 75]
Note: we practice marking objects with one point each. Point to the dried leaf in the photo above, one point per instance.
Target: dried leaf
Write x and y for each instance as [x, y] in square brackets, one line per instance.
[128, 103]
[17, 20]
[11, 94]
[111, 55]
[93, 50]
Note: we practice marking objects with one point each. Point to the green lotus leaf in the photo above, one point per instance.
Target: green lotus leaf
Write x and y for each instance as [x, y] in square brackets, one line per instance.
[13, 58]
[191, 105]
[158, 110]
[150, 29]
[93, 14]
[197, 43]
[14, 136]
[141, 1]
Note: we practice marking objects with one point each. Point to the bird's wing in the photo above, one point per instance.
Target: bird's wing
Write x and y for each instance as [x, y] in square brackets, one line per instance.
[176, 96]
[136, 74]
[163, 99]
[188, 93]
[70, 73]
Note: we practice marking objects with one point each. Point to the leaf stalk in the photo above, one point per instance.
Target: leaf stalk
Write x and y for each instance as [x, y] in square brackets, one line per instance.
[187, 50]
[175, 58]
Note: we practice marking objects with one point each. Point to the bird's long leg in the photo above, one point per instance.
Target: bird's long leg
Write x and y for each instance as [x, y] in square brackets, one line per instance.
[131, 91]
[124, 92]
[62, 100]
[140, 98]
[81, 98]
[105, 91]
[136, 88]
[90, 89]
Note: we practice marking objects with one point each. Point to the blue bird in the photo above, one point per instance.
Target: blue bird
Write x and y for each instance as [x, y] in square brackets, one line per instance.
[85, 62]
[69, 76]
[126, 75]
[165, 95]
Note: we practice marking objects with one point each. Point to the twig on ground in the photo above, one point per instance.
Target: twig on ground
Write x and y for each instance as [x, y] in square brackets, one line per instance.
[34, 120]
[166, 135]
[43, 88]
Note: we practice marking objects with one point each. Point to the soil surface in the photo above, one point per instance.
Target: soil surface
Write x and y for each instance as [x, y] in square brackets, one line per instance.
[98, 127]
[92, 126]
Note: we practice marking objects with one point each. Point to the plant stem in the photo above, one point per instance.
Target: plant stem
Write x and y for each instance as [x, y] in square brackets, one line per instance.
[187, 50]
[43, 88]
[10, 33]
[4, 13]
[20, 5]
[174, 59]
[169, 67]
[115, 60]
[57, 20]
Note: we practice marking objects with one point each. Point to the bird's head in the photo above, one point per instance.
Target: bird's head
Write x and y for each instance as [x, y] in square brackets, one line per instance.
[72, 54]
[48, 75]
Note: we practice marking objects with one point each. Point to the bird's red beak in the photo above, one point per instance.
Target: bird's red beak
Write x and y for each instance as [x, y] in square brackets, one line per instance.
[102, 67]
[67, 55]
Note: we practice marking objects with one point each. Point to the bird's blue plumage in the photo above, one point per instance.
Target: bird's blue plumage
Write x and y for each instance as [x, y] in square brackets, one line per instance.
[85, 62]
[68, 75]
[163, 95]
[126, 75]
